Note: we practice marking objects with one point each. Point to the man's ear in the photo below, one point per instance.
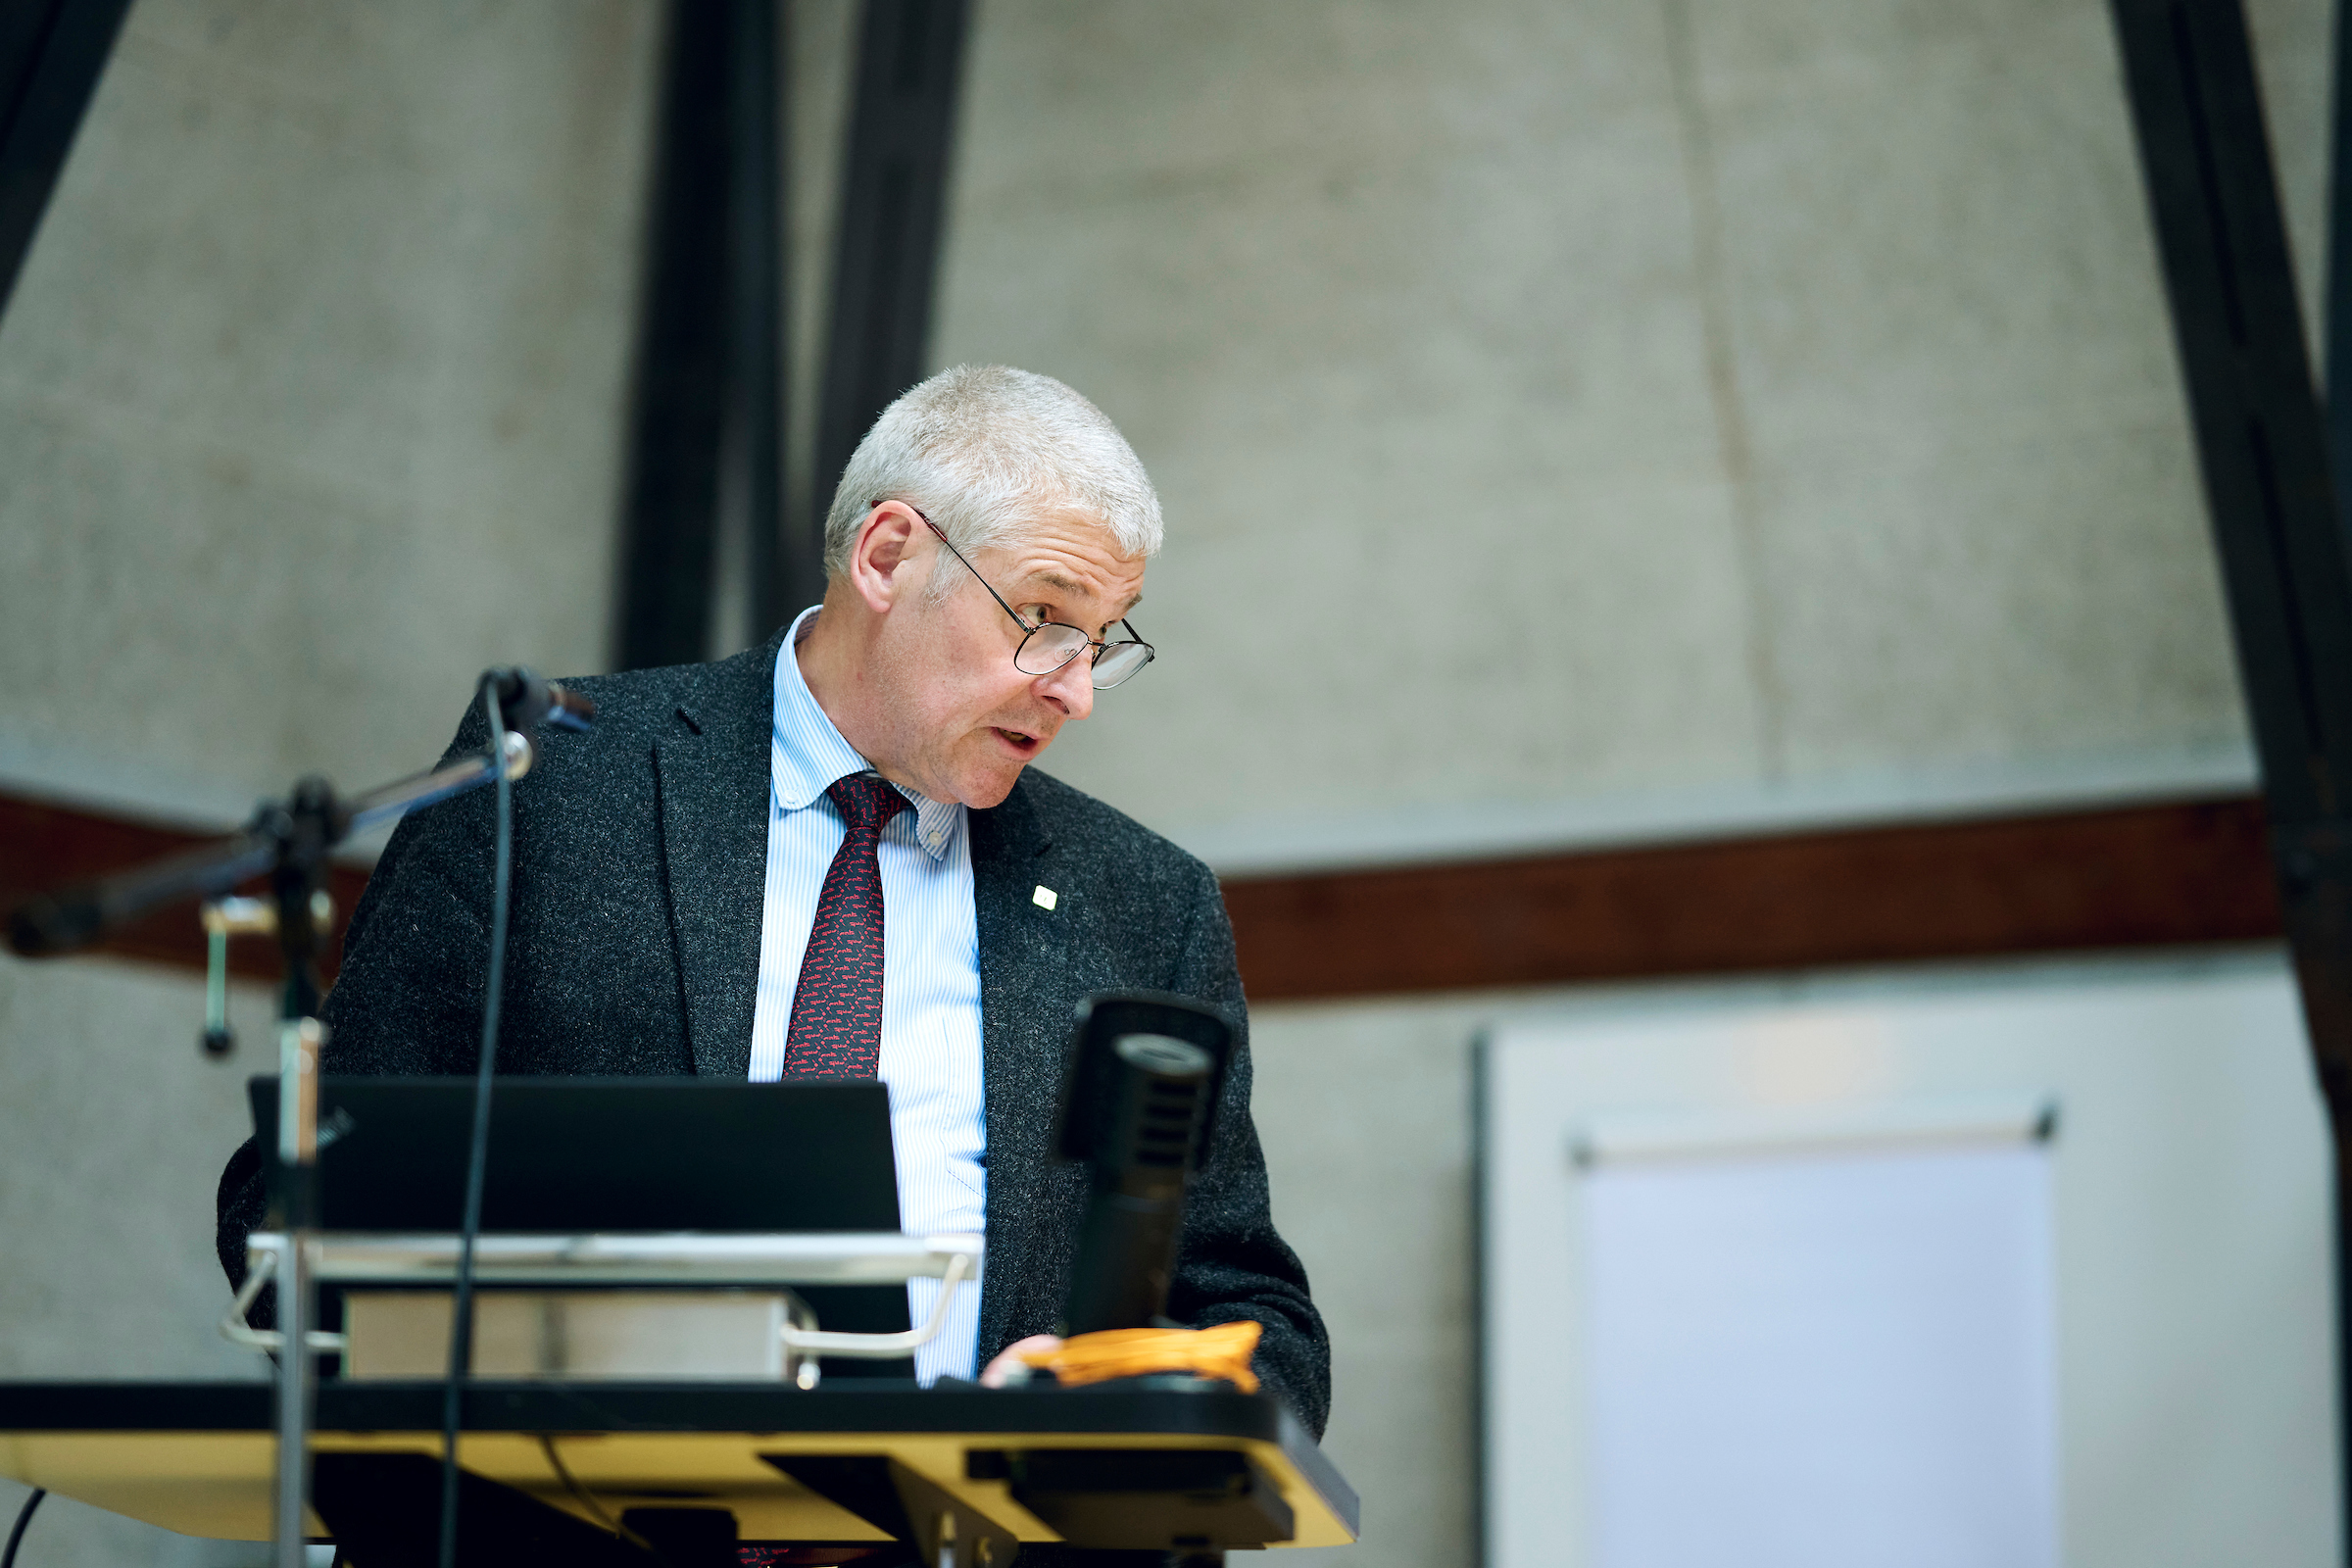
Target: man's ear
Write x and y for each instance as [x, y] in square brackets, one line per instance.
[887, 561]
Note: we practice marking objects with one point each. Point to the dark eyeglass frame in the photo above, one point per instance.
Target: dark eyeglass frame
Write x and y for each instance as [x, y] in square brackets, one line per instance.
[1096, 647]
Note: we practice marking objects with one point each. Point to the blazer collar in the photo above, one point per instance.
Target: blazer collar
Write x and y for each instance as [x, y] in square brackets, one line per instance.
[712, 777]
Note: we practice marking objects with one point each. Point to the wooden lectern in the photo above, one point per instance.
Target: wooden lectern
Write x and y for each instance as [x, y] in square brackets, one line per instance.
[955, 1475]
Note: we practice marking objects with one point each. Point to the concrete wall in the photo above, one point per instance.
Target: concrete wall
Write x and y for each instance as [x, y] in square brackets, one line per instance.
[1632, 417]
[113, 1131]
[311, 389]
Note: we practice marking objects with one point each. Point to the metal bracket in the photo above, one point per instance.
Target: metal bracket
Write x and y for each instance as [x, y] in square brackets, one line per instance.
[232, 917]
[236, 1331]
[884, 1346]
[672, 1261]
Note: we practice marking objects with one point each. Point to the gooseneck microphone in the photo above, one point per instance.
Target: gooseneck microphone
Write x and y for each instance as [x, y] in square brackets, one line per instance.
[1143, 1099]
[1127, 1249]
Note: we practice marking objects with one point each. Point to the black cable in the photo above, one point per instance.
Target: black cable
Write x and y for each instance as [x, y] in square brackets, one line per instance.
[586, 1500]
[8, 1559]
[478, 1157]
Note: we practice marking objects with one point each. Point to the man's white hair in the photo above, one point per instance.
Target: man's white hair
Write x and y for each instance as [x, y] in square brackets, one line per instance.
[984, 450]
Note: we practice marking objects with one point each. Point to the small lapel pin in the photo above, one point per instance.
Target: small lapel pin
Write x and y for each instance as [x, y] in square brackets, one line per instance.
[1044, 898]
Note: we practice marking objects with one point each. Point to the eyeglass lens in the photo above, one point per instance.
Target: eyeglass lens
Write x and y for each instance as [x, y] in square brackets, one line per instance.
[1118, 661]
[1053, 645]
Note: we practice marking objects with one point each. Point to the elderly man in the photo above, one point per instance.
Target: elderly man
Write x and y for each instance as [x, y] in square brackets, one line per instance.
[695, 880]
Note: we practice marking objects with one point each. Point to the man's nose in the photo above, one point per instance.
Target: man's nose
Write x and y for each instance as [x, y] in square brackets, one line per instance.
[1071, 688]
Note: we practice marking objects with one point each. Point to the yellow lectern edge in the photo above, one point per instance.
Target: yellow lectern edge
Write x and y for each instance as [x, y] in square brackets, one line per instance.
[215, 1484]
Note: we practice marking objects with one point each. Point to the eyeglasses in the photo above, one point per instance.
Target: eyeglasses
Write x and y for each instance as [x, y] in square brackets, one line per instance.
[1049, 645]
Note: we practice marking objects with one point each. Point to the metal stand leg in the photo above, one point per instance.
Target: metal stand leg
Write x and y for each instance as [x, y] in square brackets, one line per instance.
[303, 830]
[299, 1040]
[287, 1532]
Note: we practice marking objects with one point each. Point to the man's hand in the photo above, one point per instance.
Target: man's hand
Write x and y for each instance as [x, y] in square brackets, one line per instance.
[1000, 1370]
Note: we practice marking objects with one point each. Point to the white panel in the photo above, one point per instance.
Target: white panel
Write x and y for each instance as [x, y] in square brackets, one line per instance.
[1847, 1357]
[2188, 1192]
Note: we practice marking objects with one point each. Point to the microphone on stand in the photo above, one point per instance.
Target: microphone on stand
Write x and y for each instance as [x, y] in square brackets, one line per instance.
[527, 699]
[72, 917]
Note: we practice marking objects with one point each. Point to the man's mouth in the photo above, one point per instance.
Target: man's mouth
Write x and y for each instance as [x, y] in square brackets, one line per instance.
[1022, 743]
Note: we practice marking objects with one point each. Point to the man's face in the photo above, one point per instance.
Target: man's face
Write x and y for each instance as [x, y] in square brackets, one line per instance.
[965, 721]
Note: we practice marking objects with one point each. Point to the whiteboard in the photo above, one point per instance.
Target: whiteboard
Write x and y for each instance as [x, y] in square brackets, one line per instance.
[1823, 1360]
[2184, 1300]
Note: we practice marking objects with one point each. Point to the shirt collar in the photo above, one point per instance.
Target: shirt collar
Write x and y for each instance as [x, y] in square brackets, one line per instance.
[809, 754]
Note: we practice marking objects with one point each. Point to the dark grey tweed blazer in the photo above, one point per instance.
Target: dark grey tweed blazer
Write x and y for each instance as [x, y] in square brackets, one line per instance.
[641, 849]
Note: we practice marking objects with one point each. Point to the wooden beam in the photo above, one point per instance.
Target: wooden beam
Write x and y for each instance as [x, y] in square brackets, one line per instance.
[44, 846]
[2131, 878]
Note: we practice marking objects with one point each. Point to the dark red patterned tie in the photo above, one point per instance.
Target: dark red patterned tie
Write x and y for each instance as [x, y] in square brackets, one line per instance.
[836, 1027]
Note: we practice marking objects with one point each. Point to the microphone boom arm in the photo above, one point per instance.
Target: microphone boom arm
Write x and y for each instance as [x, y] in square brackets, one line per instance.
[74, 917]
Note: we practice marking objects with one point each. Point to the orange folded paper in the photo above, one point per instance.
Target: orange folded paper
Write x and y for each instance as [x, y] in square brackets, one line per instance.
[1222, 1351]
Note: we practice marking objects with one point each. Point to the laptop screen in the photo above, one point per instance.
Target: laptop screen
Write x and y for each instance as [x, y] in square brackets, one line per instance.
[601, 1155]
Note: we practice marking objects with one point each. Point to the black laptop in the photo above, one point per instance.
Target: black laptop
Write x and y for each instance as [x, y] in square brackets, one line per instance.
[573, 1154]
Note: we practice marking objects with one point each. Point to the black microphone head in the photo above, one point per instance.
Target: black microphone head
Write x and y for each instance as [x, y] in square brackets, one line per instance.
[1104, 1020]
[525, 699]
[1139, 1108]
[521, 695]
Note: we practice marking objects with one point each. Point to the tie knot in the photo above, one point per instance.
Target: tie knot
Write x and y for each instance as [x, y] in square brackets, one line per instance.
[866, 802]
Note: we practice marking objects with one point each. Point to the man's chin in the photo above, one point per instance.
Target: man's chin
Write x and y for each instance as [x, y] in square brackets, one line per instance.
[994, 768]
[977, 778]
[991, 788]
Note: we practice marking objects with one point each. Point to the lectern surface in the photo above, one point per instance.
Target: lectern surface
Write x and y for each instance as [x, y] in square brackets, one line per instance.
[197, 1458]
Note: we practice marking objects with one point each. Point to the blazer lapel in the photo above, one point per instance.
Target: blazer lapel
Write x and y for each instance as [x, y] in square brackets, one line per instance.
[713, 773]
[1021, 1044]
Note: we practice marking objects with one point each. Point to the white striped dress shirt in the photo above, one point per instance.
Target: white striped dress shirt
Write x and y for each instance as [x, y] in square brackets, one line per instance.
[930, 982]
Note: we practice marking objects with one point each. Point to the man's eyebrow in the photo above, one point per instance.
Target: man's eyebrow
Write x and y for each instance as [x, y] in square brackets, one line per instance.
[1062, 585]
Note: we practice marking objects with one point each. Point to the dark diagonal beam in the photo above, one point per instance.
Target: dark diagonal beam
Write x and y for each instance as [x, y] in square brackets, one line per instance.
[2263, 451]
[706, 444]
[2338, 286]
[894, 196]
[51, 55]
[2263, 454]
[671, 529]
[782, 561]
